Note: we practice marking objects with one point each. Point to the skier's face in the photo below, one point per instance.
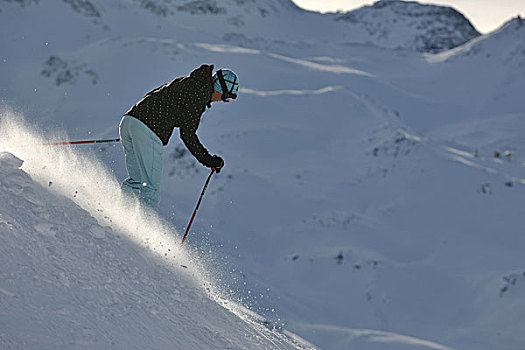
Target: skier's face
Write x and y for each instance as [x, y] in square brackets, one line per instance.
[216, 96]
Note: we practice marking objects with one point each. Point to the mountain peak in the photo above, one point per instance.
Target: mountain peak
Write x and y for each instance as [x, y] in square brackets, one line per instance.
[412, 25]
[516, 23]
[505, 46]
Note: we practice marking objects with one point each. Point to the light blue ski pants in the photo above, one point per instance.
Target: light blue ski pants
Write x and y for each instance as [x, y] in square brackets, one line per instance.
[143, 152]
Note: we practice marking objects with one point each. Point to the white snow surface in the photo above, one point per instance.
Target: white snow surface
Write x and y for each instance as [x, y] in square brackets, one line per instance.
[372, 196]
[97, 278]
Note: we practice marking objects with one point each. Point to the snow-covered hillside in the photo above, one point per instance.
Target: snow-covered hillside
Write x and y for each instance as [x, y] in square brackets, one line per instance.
[117, 280]
[372, 194]
[410, 25]
[506, 45]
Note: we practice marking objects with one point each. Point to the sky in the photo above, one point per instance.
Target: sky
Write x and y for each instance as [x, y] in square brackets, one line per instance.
[485, 15]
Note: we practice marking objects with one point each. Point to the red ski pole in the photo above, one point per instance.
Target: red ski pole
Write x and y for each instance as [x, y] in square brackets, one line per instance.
[198, 204]
[79, 142]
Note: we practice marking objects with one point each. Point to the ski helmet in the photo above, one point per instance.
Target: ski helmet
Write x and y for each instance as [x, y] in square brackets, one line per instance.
[226, 82]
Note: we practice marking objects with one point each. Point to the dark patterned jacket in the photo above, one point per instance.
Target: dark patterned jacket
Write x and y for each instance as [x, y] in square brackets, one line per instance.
[179, 103]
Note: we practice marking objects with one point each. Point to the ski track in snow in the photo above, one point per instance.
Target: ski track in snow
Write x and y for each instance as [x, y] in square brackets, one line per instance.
[294, 92]
[350, 336]
[331, 68]
[322, 67]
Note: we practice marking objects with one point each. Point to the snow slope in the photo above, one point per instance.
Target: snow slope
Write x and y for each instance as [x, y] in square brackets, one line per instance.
[362, 204]
[72, 280]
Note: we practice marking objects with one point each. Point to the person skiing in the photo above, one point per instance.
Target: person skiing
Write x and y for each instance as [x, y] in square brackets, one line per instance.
[149, 124]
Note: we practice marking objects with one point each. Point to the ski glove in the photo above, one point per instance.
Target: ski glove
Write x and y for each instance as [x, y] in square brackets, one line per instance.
[217, 163]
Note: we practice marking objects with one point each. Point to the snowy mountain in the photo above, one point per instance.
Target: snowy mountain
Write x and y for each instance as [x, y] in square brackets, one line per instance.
[371, 199]
[506, 45]
[386, 23]
[410, 25]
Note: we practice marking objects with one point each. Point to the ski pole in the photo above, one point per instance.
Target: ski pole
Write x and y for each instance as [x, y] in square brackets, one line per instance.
[198, 204]
[79, 142]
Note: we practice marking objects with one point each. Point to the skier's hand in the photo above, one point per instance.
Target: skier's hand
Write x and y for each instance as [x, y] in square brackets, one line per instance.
[217, 163]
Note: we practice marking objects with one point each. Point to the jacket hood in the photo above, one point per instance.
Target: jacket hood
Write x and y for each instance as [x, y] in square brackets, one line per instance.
[203, 72]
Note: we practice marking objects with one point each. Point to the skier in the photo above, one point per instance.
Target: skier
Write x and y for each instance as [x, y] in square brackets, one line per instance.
[148, 126]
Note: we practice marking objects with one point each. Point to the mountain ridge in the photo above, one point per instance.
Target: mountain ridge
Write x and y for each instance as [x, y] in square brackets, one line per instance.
[392, 24]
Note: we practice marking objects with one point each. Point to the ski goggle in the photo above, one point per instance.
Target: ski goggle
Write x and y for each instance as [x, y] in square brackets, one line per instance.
[227, 95]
